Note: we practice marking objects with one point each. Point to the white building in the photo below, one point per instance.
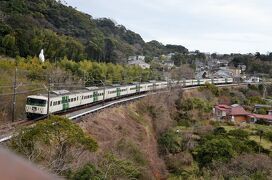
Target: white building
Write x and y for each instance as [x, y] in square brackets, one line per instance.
[134, 58]
[169, 64]
[140, 63]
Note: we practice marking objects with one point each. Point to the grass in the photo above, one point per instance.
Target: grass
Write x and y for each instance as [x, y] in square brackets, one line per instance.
[251, 129]
[229, 128]
[264, 143]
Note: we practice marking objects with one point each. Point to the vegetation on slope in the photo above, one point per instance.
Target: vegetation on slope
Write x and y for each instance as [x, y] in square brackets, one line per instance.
[28, 26]
[173, 137]
[32, 75]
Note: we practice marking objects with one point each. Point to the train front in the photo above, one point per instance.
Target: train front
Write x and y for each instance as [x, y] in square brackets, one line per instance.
[36, 106]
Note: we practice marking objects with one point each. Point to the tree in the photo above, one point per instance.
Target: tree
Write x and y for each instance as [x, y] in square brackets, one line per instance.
[54, 142]
[216, 149]
[183, 72]
[170, 142]
[9, 43]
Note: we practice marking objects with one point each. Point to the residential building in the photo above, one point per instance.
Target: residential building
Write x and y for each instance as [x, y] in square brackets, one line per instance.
[140, 63]
[134, 58]
[169, 64]
[253, 118]
[234, 113]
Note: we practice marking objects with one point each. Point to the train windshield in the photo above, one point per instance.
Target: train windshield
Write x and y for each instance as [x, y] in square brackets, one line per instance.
[36, 102]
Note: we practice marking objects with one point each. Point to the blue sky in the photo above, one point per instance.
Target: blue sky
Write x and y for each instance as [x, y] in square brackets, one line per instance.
[222, 26]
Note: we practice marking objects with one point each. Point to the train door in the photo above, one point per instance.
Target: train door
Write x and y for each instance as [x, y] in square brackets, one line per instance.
[138, 88]
[118, 90]
[65, 104]
[95, 96]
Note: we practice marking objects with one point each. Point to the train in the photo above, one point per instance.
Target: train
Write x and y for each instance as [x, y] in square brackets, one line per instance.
[64, 100]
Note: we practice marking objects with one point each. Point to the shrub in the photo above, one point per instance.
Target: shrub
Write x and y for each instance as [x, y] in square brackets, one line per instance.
[246, 166]
[56, 141]
[115, 168]
[88, 172]
[170, 142]
[239, 133]
[216, 149]
[211, 87]
[219, 131]
[176, 163]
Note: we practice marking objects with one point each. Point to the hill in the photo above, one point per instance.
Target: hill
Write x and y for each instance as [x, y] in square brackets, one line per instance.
[28, 26]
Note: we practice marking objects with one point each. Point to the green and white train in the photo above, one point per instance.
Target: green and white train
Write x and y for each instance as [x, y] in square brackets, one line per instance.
[63, 100]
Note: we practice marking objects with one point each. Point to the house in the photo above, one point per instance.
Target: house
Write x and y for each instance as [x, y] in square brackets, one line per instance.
[169, 64]
[134, 58]
[140, 63]
[220, 111]
[202, 75]
[238, 114]
[141, 58]
[233, 113]
[253, 118]
[225, 72]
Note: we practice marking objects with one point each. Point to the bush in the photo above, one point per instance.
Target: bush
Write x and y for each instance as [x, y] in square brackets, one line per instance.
[239, 133]
[115, 168]
[246, 166]
[268, 135]
[177, 163]
[216, 149]
[219, 131]
[88, 172]
[55, 141]
[170, 142]
[211, 87]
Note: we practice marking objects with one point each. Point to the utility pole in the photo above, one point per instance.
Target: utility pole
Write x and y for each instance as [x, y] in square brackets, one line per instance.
[14, 95]
[264, 88]
[48, 95]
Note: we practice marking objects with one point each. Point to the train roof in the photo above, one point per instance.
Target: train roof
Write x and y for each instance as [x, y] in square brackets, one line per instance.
[57, 93]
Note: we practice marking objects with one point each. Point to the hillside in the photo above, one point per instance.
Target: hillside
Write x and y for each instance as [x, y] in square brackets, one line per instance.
[171, 137]
[28, 26]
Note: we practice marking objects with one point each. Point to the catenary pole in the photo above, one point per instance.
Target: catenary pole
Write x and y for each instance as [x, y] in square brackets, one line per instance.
[14, 95]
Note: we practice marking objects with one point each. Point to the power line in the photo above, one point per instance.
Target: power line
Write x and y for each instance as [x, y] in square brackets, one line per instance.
[22, 92]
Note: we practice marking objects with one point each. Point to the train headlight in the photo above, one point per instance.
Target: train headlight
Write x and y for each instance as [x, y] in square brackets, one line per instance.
[34, 109]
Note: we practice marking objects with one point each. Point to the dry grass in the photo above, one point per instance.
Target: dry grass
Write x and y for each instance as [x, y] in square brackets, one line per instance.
[130, 132]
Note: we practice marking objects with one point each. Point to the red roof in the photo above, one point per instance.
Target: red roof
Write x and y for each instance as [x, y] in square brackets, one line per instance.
[223, 107]
[261, 116]
[238, 110]
[233, 110]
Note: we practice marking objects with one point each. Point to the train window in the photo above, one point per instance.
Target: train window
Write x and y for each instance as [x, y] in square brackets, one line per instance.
[77, 98]
[36, 102]
[51, 103]
[58, 102]
[74, 99]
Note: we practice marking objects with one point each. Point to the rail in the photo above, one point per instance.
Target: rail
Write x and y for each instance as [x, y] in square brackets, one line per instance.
[127, 99]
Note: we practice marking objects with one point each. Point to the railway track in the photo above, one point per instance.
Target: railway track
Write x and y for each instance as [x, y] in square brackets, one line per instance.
[6, 131]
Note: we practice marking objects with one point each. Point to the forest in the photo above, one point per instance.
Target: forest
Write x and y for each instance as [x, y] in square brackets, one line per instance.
[28, 26]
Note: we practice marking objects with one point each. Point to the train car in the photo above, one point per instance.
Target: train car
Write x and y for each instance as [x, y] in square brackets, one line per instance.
[188, 83]
[36, 105]
[64, 100]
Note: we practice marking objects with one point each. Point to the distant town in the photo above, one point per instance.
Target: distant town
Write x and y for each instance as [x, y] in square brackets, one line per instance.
[203, 67]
